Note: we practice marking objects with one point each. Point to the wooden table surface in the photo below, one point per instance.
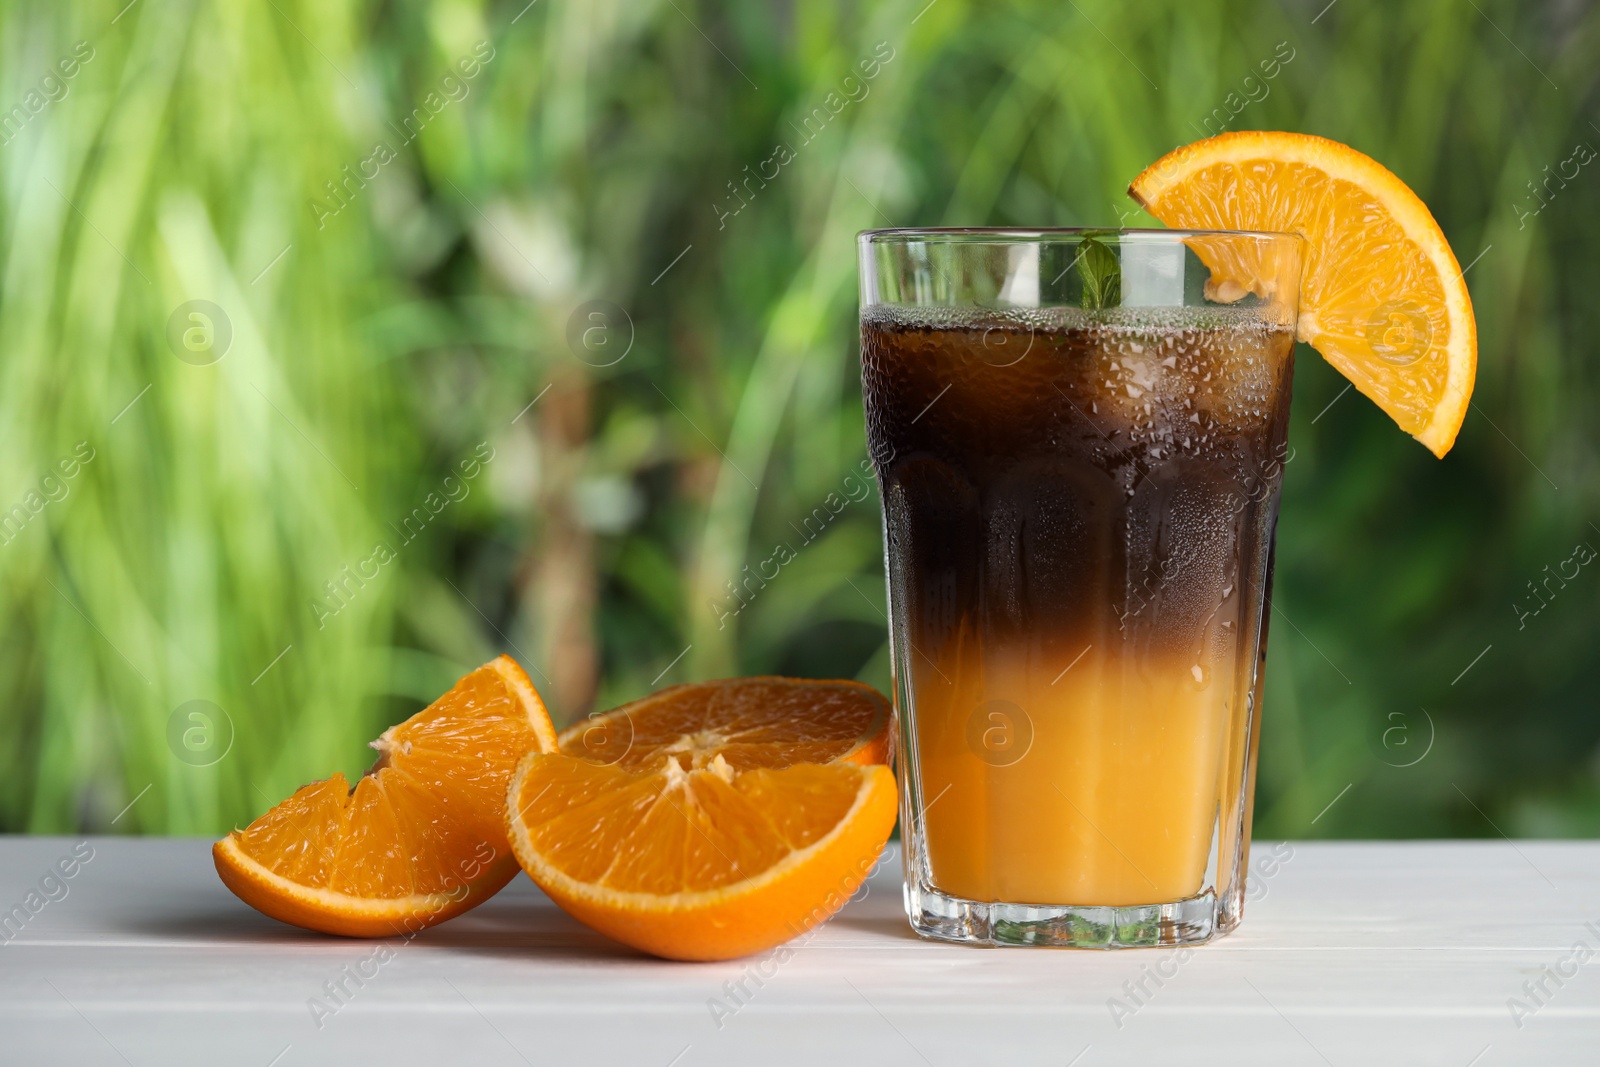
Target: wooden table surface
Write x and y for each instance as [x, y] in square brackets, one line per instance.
[1410, 953]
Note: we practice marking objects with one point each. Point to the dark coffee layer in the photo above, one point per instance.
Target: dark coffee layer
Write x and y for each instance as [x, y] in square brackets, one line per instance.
[1076, 484]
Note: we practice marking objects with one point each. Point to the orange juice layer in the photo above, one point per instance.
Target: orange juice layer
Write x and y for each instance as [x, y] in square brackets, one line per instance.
[1103, 787]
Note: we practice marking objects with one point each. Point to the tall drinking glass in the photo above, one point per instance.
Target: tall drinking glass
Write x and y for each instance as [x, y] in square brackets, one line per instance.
[1079, 437]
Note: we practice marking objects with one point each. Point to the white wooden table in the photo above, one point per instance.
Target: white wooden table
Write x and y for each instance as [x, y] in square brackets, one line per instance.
[1358, 953]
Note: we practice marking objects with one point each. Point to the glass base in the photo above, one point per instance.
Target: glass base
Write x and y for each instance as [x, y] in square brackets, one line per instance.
[1193, 921]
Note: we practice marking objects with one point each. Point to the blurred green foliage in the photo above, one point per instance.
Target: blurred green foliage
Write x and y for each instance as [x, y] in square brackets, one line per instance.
[389, 326]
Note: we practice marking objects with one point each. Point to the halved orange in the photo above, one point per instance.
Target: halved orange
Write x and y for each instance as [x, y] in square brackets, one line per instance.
[750, 722]
[719, 831]
[1381, 294]
[421, 836]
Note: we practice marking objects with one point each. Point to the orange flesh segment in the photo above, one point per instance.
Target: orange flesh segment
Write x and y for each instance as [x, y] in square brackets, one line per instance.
[678, 831]
[1382, 296]
[419, 831]
[749, 722]
[701, 864]
[710, 820]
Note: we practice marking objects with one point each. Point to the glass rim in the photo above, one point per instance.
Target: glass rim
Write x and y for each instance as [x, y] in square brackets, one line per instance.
[977, 235]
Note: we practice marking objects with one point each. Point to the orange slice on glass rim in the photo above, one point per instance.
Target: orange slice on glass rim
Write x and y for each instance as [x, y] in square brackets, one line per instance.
[419, 838]
[1382, 297]
[712, 820]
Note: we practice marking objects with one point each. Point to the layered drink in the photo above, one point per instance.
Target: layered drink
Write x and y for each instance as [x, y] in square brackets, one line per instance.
[1079, 512]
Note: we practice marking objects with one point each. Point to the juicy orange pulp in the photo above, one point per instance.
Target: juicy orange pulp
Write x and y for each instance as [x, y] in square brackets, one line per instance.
[712, 828]
[749, 722]
[421, 836]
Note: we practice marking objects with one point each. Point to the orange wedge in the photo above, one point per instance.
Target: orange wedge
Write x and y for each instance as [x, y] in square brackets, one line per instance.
[716, 832]
[1381, 294]
[750, 722]
[419, 839]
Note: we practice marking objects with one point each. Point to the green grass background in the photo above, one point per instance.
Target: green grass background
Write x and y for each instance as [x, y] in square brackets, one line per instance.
[376, 347]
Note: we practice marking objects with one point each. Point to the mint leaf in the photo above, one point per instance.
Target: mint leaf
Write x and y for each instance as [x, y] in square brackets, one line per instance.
[1101, 273]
